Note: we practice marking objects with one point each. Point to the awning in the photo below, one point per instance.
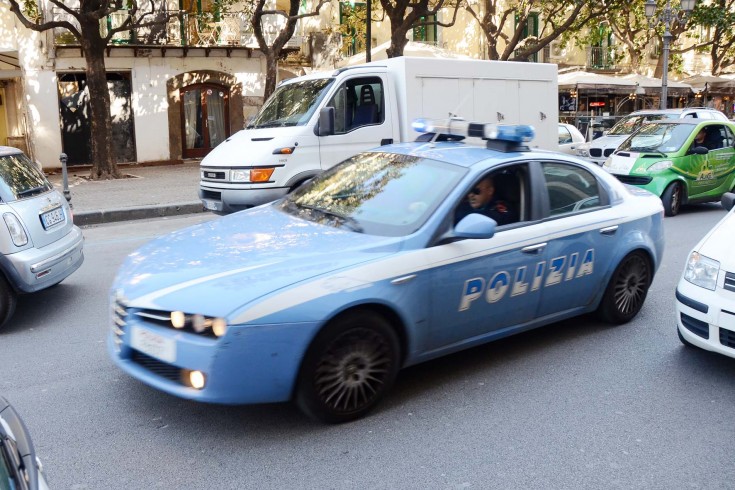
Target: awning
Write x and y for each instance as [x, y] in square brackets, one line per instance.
[652, 86]
[711, 84]
[582, 80]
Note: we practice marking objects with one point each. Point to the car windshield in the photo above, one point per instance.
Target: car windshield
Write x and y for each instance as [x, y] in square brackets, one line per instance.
[292, 104]
[658, 137]
[629, 124]
[376, 193]
[20, 178]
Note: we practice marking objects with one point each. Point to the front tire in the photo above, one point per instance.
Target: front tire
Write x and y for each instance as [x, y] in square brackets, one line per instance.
[627, 289]
[672, 198]
[348, 368]
[8, 300]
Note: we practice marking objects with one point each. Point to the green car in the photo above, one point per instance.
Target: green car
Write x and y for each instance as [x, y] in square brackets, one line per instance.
[683, 161]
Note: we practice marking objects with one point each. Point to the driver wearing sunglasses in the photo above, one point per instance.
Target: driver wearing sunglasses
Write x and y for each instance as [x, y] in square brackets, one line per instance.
[481, 199]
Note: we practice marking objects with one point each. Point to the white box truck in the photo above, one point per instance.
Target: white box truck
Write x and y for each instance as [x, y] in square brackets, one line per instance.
[313, 122]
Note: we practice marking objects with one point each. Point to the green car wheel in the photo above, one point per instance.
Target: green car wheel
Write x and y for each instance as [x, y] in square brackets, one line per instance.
[672, 197]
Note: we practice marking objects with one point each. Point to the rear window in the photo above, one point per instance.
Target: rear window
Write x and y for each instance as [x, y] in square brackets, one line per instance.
[20, 178]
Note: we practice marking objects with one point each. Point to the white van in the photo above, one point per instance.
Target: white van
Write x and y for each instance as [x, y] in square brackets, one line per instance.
[313, 122]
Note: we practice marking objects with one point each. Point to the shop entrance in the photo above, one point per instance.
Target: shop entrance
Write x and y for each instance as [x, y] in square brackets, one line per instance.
[204, 118]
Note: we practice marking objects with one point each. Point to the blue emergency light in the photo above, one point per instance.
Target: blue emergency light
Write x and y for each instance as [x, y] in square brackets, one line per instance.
[517, 133]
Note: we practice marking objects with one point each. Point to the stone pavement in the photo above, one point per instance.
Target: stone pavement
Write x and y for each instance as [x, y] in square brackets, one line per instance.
[146, 192]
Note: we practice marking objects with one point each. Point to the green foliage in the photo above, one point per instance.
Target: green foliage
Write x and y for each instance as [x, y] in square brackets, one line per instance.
[31, 11]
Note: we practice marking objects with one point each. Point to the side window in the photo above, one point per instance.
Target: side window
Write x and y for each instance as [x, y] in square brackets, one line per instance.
[729, 137]
[501, 195]
[564, 135]
[570, 188]
[715, 137]
[358, 102]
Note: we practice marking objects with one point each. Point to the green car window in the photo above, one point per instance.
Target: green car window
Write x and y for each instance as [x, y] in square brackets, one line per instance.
[658, 137]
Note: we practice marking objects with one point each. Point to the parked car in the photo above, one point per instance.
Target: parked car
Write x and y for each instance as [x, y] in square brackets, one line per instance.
[39, 244]
[599, 149]
[663, 158]
[379, 263]
[569, 138]
[20, 469]
[705, 295]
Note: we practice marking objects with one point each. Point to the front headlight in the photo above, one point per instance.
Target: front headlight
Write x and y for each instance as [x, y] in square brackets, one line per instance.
[702, 271]
[240, 175]
[583, 151]
[662, 165]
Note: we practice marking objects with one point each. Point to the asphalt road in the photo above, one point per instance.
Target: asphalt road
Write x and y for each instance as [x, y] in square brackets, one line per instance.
[577, 404]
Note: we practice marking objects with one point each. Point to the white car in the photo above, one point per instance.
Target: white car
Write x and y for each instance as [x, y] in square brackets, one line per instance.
[597, 150]
[569, 138]
[705, 295]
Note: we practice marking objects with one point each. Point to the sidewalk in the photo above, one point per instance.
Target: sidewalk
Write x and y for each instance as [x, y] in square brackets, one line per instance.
[146, 192]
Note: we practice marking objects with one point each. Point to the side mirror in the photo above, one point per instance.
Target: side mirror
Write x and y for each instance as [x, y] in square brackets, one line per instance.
[699, 150]
[728, 200]
[475, 225]
[325, 126]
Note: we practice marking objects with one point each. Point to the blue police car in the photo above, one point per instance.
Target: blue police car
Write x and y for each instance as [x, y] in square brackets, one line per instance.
[391, 258]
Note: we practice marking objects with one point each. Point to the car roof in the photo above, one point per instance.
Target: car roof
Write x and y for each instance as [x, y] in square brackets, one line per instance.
[462, 153]
[680, 110]
[9, 150]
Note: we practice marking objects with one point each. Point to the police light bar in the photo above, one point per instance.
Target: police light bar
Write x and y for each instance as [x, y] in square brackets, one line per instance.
[519, 133]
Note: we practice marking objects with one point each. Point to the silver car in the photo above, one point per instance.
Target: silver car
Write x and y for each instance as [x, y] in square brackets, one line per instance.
[39, 245]
[19, 467]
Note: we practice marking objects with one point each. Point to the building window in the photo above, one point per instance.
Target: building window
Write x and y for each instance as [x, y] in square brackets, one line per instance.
[529, 29]
[425, 33]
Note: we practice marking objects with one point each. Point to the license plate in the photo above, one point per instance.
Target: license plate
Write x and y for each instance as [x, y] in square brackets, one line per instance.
[212, 205]
[53, 217]
[153, 344]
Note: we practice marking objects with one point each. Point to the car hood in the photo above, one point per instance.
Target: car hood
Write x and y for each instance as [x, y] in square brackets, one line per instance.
[717, 244]
[215, 267]
[608, 141]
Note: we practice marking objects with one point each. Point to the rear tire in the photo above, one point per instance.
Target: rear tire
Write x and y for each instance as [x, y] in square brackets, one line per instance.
[627, 289]
[348, 368]
[8, 300]
[672, 198]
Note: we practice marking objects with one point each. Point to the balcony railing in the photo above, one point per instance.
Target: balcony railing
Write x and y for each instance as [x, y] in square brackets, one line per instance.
[191, 29]
[601, 58]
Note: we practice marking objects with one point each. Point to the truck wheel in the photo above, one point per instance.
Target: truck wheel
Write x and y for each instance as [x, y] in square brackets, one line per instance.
[8, 300]
[348, 368]
[627, 289]
[671, 198]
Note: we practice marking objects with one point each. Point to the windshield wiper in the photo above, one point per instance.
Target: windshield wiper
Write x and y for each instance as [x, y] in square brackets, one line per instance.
[347, 221]
[272, 124]
[648, 149]
[31, 191]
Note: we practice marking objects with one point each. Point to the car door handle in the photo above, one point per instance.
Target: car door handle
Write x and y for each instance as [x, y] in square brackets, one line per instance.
[534, 249]
[610, 230]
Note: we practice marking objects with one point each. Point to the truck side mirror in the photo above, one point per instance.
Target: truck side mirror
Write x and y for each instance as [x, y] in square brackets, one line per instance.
[325, 126]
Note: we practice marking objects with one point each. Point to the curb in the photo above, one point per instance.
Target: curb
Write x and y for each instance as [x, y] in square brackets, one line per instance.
[142, 212]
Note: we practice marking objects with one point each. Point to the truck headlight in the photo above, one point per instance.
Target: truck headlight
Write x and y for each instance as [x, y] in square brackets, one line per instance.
[702, 271]
[662, 165]
[251, 175]
[240, 175]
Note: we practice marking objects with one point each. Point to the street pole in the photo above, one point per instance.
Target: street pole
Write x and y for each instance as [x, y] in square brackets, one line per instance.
[665, 75]
[368, 32]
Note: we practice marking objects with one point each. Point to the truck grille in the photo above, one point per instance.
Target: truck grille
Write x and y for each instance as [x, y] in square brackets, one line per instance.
[633, 179]
[214, 174]
[727, 338]
[730, 281]
[697, 327]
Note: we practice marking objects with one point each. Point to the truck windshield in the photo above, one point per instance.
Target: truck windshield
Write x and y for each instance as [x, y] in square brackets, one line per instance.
[383, 194]
[292, 104]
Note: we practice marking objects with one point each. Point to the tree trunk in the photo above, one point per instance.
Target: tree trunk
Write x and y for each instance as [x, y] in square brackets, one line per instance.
[271, 73]
[93, 47]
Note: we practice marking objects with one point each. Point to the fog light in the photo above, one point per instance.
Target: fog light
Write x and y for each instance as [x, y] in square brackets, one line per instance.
[178, 319]
[196, 379]
[219, 326]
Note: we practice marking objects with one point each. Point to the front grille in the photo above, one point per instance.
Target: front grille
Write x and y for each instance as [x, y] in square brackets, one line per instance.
[609, 152]
[727, 338]
[163, 319]
[730, 281]
[217, 196]
[167, 371]
[118, 320]
[697, 327]
[633, 179]
[595, 152]
[213, 174]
